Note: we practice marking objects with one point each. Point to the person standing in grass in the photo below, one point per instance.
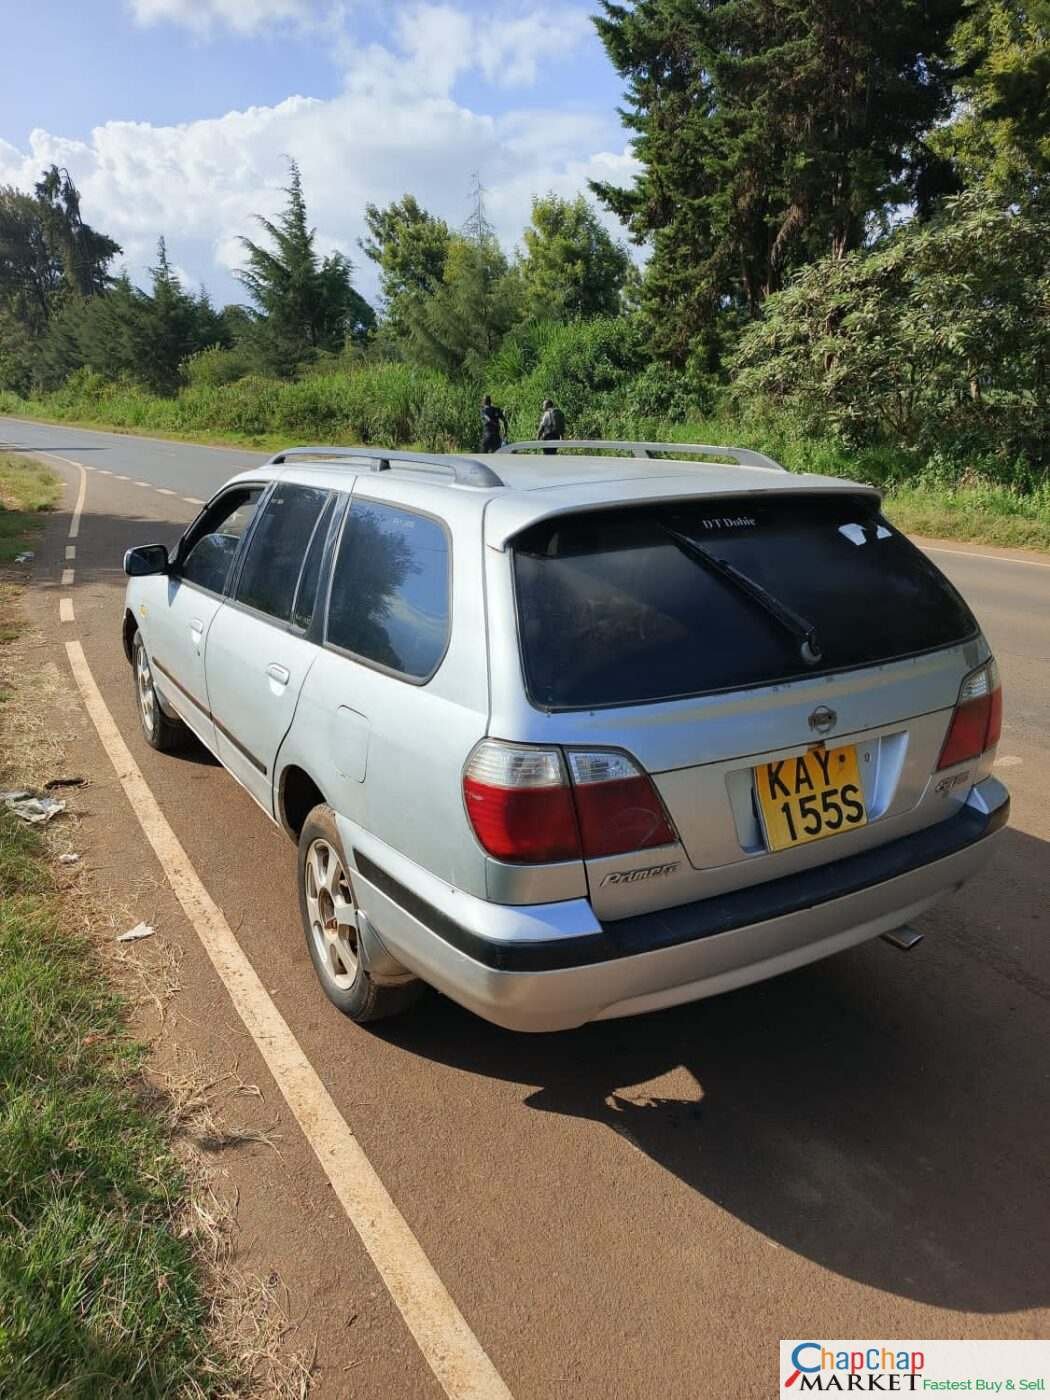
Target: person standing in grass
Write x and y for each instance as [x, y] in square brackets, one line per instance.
[552, 426]
[494, 425]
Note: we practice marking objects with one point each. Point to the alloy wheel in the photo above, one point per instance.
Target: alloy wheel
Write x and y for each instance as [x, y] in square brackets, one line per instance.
[333, 914]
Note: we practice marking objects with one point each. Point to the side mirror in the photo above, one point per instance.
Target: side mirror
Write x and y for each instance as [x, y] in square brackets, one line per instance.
[146, 559]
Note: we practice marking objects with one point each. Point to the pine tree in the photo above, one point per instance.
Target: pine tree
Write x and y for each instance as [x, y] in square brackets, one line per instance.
[168, 331]
[465, 319]
[302, 304]
[47, 252]
[770, 132]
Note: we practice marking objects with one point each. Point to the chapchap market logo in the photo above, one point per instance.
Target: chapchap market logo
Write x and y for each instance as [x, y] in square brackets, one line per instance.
[877, 1367]
[978, 1365]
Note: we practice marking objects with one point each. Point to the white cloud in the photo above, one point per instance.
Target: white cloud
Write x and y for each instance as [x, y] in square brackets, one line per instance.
[395, 127]
[242, 16]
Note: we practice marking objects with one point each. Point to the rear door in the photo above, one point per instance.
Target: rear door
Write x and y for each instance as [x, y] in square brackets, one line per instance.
[784, 667]
[258, 652]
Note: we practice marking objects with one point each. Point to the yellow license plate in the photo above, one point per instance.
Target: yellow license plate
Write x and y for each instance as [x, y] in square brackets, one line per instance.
[806, 798]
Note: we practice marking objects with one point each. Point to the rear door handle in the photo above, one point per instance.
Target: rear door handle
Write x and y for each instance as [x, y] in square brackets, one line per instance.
[196, 630]
[280, 674]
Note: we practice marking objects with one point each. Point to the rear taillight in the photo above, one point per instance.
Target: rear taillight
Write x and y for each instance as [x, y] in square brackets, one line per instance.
[617, 807]
[519, 803]
[978, 717]
[531, 805]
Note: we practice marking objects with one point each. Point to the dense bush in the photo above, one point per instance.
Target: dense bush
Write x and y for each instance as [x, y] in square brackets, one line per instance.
[937, 340]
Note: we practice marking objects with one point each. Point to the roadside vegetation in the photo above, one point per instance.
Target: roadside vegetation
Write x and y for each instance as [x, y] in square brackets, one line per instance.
[26, 490]
[844, 224]
[99, 1296]
[101, 1291]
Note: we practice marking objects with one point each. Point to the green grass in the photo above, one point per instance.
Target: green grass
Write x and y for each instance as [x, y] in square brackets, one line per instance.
[98, 1296]
[402, 406]
[987, 515]
[27, 490]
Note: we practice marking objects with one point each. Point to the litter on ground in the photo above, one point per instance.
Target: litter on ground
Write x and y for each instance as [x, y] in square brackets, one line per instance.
[69, 858]
[134, 934]
[32, 806]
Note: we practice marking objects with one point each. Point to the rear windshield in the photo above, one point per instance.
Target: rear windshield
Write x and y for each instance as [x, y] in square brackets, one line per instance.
[620, 607]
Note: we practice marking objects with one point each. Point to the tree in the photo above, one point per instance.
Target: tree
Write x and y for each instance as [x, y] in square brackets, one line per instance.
[572, 268]
[937, 339]
[477, 301]
[173, 325]
[84, 254]
[302, 303]
[410, 248]
[770, 133]
[47, 251]
[999, 139]
[144, 337]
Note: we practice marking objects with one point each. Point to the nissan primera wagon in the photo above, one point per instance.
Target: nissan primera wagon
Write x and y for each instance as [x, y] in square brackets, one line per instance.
[577, 736]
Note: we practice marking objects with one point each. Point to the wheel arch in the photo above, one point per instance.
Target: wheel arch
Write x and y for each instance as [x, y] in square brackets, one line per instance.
[127, 632]
[297, 795]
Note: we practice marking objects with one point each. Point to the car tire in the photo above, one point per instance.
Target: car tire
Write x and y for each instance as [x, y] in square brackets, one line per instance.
[162, 733]
[330, 915]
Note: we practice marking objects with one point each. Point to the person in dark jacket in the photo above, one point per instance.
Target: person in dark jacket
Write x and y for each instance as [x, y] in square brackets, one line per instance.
[494, 425]
[552, 426]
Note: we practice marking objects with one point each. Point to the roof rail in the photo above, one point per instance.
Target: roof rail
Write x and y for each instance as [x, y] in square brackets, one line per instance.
[742, 456]
[465, 471]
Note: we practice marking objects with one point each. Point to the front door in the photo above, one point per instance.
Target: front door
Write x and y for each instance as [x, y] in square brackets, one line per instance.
[257, 655]
[182, 614]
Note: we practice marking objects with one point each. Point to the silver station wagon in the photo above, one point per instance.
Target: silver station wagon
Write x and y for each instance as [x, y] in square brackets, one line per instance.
[576, 736]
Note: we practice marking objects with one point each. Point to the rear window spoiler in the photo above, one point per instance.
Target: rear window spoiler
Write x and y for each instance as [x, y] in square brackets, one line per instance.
[507, 516]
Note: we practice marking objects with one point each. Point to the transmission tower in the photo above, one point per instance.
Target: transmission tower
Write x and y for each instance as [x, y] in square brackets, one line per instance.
[477, 227]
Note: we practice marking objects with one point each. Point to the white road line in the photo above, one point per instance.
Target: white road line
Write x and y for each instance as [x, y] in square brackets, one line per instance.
[995, 558]
[141, 483]
[103, 472]
[450, 1348]
[74, 524]
[192, 501]
[118, 477]
[163, 491]
[65, 610]
[71, 551]
[67, 578]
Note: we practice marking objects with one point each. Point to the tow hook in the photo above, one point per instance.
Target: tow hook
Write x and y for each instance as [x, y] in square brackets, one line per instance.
[904, 938]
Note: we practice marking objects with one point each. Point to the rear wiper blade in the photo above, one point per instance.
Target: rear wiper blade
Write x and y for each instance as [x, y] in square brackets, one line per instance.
[791, 621]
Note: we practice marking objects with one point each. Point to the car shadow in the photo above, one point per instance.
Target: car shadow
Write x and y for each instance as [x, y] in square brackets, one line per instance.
[870, 1112]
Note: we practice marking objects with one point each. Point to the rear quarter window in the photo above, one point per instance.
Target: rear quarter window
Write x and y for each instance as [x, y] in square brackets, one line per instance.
[389, 604]
[613, 611]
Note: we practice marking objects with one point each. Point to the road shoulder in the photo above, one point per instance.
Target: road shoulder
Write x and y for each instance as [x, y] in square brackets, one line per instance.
[286, 1242]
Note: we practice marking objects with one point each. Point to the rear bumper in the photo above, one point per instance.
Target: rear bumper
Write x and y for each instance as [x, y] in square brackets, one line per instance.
[550, 967]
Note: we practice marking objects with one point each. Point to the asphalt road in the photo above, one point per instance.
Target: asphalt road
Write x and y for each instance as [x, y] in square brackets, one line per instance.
[860, 1149]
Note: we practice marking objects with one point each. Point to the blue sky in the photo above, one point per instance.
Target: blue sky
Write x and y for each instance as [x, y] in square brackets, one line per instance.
[175, 116]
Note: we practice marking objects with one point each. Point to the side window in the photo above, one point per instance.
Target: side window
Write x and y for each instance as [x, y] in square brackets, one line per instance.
[278, 547]
[306, 596]
[211, 549]
[390, 589]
